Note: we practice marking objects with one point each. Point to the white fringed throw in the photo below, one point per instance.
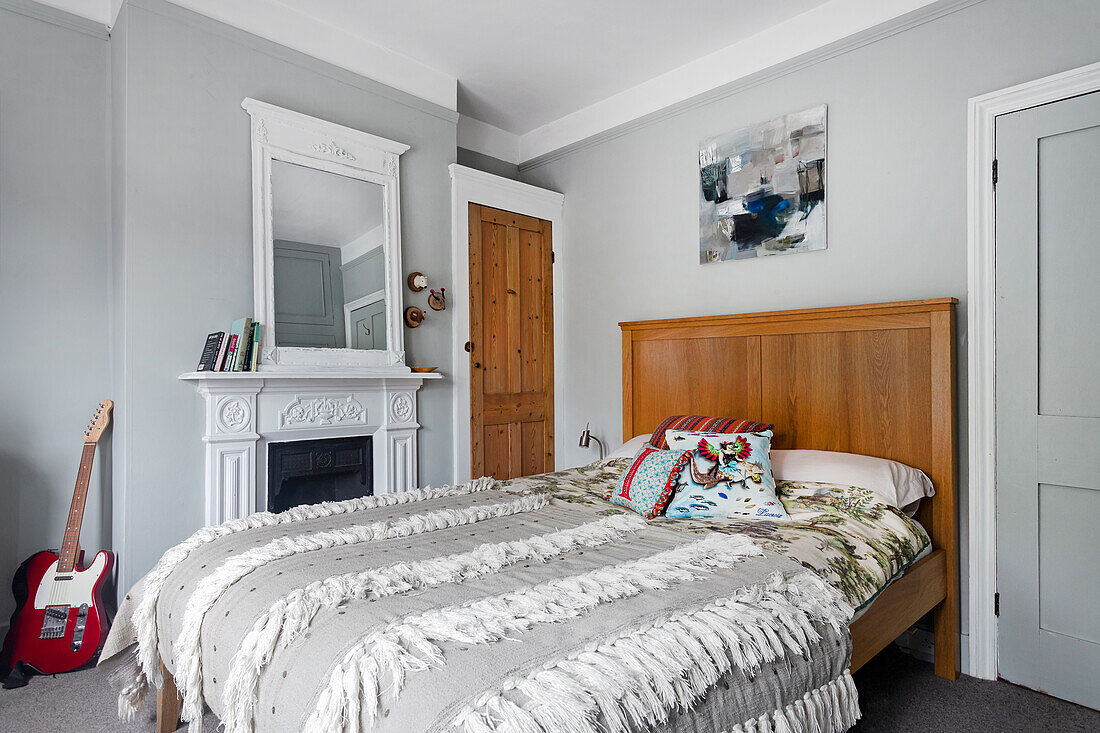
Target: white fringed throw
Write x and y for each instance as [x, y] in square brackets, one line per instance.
[375, 668]
[146, 674]
[291, 615]
[831, 708]
[188, 673]
[633, 680]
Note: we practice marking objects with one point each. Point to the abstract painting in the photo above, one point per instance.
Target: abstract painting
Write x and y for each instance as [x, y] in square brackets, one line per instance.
[762, 189]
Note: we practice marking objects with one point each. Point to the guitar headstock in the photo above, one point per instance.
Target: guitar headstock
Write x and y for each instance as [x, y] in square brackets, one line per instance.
[99, 422]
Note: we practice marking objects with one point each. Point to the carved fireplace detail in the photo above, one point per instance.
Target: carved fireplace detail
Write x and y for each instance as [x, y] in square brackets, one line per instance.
[245, 411]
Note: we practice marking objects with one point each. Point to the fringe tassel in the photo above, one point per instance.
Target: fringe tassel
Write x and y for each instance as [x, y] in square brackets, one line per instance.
[144, 619]
[379, 662]
[632, 681]
[126, 677]
[187, 648]
[291, 616]
[831, 708]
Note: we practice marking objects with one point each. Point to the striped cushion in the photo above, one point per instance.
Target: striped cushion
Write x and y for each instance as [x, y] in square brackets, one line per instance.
[648, 484]
[704, 424]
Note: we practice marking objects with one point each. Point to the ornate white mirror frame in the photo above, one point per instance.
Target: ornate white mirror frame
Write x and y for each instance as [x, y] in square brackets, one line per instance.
[292, 137]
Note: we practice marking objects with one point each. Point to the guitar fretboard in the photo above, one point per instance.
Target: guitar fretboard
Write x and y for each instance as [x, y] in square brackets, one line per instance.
[71, 544]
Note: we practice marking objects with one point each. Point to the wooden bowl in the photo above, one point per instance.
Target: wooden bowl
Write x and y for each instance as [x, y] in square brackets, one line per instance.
[423, 370]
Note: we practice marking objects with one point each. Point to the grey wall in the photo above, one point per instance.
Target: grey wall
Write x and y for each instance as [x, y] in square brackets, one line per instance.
[896, 193]
[54, 280]
[184, 234]
[364, 275]
[487, 163]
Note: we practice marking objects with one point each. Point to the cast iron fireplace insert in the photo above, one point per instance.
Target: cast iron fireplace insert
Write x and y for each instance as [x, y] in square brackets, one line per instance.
[312, 471]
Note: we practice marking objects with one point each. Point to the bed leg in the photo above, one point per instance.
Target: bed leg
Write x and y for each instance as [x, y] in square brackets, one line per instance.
[946, 620]
[168, 703]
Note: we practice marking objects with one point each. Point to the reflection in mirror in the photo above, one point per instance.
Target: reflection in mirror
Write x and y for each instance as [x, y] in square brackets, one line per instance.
[329, 259]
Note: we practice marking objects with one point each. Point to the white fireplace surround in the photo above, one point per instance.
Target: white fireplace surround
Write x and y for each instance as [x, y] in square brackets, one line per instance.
[247, 410]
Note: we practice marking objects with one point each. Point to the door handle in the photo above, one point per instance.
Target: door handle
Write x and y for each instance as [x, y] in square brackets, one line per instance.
[477, 365]
[469, 347]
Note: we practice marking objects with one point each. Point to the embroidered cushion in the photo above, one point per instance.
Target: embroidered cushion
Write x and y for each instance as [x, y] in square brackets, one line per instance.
[730, 475]
[704, 425]
[650, 480]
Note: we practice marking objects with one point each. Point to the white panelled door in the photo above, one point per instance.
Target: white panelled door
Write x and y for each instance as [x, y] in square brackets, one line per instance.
[1048, 397]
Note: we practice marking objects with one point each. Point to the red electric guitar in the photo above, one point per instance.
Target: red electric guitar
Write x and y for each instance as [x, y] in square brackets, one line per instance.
[59, 623]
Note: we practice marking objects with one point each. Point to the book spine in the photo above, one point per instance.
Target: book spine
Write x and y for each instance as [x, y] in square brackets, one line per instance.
[219, 362]
[209, 352]
[246, 359]
[256, 334]
[242, 345]
[230, 354]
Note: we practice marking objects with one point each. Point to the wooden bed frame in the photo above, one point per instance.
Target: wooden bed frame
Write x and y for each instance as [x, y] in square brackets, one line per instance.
[872, 379]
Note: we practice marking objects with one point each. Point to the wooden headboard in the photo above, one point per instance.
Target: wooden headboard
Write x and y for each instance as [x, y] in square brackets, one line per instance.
[874, 379]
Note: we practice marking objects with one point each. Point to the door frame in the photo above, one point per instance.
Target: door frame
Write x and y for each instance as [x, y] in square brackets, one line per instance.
[359, 303]
[471, 186]
[981, 349]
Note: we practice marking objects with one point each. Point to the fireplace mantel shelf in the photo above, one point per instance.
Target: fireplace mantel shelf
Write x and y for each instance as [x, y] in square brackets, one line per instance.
[316, 374]
[247, 411]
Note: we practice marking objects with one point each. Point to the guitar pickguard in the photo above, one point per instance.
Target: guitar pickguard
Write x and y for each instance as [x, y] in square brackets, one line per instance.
[71, 589]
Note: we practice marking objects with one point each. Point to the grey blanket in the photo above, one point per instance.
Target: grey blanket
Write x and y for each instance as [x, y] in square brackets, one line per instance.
[478, 609]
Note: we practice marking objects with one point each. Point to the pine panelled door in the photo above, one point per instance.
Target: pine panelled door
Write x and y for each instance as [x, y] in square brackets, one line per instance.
[511, 344]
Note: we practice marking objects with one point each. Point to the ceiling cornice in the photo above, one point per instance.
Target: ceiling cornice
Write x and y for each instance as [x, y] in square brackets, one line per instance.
[845, 26]
[287, 27]
[79, 23]
[178, 13]
[488, 140]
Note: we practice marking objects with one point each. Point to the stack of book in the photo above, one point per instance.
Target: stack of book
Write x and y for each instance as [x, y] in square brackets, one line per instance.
[235, 350]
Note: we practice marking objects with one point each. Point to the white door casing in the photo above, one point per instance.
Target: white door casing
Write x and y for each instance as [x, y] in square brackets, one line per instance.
[469, 186]
[981, 310]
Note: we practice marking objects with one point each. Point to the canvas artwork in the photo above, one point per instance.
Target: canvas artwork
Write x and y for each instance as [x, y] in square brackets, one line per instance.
[762, 189]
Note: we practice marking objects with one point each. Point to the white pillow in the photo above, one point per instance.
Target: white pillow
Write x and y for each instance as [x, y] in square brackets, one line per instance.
[898, 484]
[630, 447]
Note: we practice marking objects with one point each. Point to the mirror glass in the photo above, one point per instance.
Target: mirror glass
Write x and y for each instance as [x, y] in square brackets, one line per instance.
[329, 259]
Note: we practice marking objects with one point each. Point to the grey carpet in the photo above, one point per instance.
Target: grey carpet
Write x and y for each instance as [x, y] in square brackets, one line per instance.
[897, 693]
[76, 702]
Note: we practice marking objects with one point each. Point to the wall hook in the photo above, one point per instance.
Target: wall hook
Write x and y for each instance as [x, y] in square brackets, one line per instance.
[438, 301]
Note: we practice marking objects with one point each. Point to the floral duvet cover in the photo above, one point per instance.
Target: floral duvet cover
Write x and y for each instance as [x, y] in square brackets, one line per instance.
[848, 535]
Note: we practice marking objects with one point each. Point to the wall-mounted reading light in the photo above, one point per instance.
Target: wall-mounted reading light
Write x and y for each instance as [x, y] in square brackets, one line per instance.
[586, 435]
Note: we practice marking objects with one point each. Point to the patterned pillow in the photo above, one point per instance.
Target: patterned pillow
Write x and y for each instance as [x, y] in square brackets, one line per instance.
[730, 475]
[704, 424]
[650, 480]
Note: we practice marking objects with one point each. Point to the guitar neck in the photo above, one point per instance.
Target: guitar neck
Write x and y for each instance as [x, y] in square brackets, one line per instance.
[70, 546]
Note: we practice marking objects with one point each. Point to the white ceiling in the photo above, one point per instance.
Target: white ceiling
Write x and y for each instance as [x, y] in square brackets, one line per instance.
[520, 65]
[543, 74]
